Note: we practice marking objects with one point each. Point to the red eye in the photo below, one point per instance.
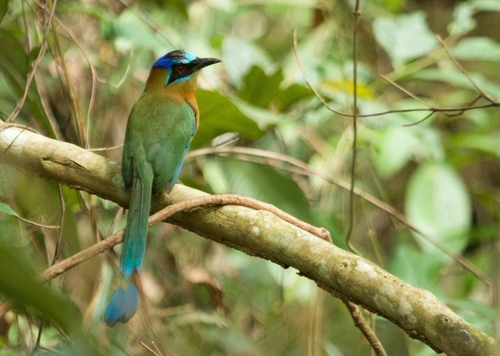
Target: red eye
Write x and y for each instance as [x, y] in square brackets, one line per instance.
[180, 69]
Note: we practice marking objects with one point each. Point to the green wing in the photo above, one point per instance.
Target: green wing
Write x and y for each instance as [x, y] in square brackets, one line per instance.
[158, 134]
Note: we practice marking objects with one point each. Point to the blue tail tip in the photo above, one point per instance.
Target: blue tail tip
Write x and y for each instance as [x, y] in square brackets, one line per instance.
[122, 305]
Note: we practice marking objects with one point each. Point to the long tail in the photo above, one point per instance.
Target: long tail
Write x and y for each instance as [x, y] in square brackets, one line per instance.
[123, 304]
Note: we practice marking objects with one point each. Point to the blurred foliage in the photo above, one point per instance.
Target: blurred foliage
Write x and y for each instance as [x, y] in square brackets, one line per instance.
[91, 60]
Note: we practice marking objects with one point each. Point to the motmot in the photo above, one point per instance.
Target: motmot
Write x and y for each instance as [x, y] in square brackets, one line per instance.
[159, 131]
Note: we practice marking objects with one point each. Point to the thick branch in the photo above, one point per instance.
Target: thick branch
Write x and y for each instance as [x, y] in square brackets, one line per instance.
[260, 233]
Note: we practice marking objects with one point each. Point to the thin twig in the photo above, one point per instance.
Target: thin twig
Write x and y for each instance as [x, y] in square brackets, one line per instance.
[100, 149]
[39, 334]
[123, 78]
[155, 352]
[31, 75]
[75, 107]
[365, 329]
[406, 91]
[61, 230]
[36, 223]
[350, 225]
[318, 95]
[448, 112]
[94, 80]
[465, 73]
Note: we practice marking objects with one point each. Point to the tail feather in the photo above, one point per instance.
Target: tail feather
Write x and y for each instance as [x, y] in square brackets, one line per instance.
[122, 305]
[136, 231]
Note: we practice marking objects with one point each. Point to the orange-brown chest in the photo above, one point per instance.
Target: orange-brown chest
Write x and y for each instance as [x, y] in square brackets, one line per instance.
[183, 91]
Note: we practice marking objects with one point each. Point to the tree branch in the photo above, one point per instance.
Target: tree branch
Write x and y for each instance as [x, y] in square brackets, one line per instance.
[259, 233]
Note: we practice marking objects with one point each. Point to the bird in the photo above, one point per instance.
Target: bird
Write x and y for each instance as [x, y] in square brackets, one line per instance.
[159, 131]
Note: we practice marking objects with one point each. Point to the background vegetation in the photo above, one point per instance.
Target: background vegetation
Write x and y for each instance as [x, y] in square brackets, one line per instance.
[74, 69]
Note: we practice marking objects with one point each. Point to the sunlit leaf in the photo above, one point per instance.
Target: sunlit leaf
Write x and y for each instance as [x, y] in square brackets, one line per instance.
[463, 19]
[262, 183]
[396, 147]
[219, 115]
[456, 78]
[131, 30]
[477, 48]
[347, 86]
[463, 15]
[485, 143]
[405, 38]
[239, 56]
[6, 209]
[437, 203]
[262, 117]
[392, 5]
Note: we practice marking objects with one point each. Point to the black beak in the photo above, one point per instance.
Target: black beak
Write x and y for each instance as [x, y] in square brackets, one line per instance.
[200, 63]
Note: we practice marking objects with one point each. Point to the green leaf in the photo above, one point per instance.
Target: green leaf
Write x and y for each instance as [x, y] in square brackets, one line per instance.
[456, 78]
[262, 117]
[4, 6]
[406, 257]
[486, 5]
[260, 182]
[477, 48]
[133, 32]
[463, 20]
[437, 203]
[463, 15]
[17, 282]
[292, 94]
[259, 88]
[396, 147]
[481, 142]
[239, 56]
[14, 64]
[405, 38]
[4, 208]
[218, 115]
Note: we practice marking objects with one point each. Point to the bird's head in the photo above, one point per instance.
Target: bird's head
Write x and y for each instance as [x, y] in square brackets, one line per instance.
[182, 65]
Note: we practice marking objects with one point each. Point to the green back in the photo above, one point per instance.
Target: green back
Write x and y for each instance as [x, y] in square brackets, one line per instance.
[159, 132]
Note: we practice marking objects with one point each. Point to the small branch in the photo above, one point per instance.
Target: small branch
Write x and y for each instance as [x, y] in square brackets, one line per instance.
[233, 199]
[209, 200]
[100, 149]
[57, 250]
[365, 329]
[350, 226]
[465, 73]
[406, 91]
[318, 95]
[34, 223]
